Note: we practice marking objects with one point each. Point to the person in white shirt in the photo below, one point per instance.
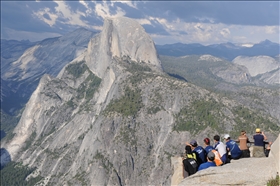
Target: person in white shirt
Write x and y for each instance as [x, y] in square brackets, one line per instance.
[221, 148]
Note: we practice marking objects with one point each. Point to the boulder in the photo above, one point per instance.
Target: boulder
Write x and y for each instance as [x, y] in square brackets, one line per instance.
[177, 176]
[274, 153]
[247, 171]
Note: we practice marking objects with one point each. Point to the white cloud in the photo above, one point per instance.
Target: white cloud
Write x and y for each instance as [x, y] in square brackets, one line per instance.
[197, 32]
[169, 26]
[63, 14]
[205, 19]
[86, 5]
[130, 3]
[271, 29]
[210, 33]
[46, 11]
[103, 11]
[144, 21]
[225, 32]
[71, 18]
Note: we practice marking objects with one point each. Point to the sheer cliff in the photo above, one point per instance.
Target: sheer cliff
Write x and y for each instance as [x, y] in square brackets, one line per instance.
[113, 117]
[22, 75]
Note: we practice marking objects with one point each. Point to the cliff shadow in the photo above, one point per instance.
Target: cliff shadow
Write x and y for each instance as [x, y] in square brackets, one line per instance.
[5, 157]
[2, 134]
[177, 77]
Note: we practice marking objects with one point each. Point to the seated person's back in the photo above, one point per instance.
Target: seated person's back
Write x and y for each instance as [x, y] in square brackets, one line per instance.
[209, 163]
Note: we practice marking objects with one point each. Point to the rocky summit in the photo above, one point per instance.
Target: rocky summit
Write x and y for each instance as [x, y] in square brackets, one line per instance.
[113, 117]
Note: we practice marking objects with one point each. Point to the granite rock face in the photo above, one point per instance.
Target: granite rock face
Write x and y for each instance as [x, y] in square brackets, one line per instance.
[120, 37]
[110, 115]
[275, 153]
[264, 68]
[45, 57]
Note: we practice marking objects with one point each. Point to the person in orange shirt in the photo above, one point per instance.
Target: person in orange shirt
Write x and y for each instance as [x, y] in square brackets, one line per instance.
[243, 140]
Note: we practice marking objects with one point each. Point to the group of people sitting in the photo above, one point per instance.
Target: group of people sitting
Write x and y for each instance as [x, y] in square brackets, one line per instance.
[198, 158]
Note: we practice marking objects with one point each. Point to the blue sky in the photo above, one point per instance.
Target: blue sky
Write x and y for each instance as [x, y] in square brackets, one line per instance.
[205, 22]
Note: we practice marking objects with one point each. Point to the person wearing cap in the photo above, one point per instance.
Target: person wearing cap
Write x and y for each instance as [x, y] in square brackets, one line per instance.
[221, 148]
[243, 140]
[259, 143]
[259, 138]
[232, 147]
[207, 145]
[199, 151]
[209, 163]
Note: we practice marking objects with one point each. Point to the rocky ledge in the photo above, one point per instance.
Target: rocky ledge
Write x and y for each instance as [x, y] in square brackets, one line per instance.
[246, 171]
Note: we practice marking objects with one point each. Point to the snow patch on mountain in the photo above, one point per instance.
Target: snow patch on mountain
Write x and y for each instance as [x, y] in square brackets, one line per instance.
[258, 64]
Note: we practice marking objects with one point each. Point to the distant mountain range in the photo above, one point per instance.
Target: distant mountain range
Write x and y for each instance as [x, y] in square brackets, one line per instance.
[228, 51]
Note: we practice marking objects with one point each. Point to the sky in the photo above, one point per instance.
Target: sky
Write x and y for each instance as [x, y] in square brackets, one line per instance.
[204, 22]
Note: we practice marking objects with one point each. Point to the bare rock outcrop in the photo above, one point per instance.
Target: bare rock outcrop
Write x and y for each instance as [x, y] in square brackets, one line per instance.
[120, 37]
[275, 153]
[246, 171]
[257, 64]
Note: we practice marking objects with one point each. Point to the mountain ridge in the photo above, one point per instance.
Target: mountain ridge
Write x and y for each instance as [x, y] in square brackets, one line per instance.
[227, 51]
[48, 56]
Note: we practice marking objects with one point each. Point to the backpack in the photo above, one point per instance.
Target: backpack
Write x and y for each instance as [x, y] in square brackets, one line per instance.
[217, 159]
[193, 163]
[190, 164]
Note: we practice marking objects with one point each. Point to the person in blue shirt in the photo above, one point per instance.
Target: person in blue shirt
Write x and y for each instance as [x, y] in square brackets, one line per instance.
[259, 143]
[199, 151]
[210, 162]
[259, 138]
[232, 147]
[207, 145]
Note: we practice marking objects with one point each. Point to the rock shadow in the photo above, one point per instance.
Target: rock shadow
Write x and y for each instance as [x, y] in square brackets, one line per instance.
[5, 157]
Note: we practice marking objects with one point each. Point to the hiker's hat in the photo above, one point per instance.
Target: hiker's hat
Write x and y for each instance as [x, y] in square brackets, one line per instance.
[193, 143]
[227, 136]
[211, 156]
[258, 130]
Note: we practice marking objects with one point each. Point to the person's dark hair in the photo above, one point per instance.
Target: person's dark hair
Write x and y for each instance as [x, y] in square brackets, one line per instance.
[188, 149]
[217, 137]
[207, 141]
